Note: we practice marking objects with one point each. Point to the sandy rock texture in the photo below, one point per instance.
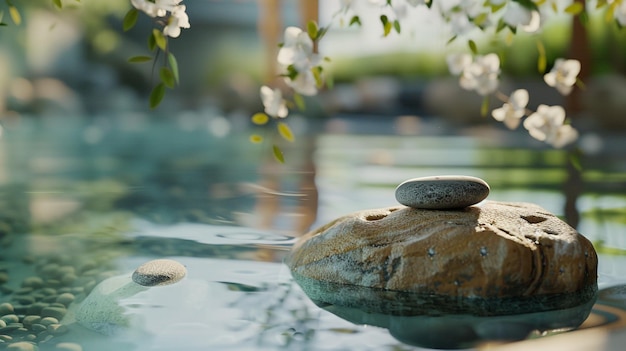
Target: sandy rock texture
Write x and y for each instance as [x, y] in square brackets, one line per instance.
[495, 250]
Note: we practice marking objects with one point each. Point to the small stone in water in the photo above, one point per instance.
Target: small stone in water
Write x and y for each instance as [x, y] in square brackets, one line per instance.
[159, 272]
[442, 192]
[55, 312]
[69, 346]
[6, 308]
[22, 346]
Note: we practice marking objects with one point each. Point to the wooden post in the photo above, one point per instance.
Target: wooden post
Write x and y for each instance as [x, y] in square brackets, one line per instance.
[270, 29]
[309, 11]
[579, 49]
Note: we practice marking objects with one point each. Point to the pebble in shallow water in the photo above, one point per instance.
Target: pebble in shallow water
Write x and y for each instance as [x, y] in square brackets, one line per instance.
[159, 272]
[442, 192]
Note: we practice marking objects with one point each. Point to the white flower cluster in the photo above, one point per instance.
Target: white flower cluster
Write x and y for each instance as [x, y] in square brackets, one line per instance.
[299, 60]
[159, 8]
[273, 102]
[299, 63]
[548, 122]
[479, 74]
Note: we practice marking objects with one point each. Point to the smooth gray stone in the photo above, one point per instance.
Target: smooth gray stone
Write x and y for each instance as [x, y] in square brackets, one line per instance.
[442, 192]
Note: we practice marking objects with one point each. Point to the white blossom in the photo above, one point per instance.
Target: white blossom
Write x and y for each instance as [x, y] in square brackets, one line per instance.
[378, 2]
[304, 83]
[563, 75]
[512, 111]
[345, 5]
[547, 124]
[482, 74]
[535, 23]
[414, 3]
[157, 8]
[516, 14]
[458, 62]
[460, 23]
[297, 52]
[620, 13]
[273, 102]
[177, 20]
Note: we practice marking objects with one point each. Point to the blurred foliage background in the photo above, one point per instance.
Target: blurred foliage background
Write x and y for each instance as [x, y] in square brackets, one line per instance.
[74, 61]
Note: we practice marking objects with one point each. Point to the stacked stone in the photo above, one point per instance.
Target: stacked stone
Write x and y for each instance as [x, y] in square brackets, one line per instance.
[442, 192]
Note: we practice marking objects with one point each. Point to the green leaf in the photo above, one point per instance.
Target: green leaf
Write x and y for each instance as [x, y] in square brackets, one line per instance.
[496, 8]
[157, 94]
[609, 15]
[355, 20]
[174, 66]
[167, 77]
[574, 159]
[256, 139]
[330, 81]
[451, 40]
[529, 4]
[501, 25]
[473, 47]
[278, 154]
[322, 31]
[575, 8]
[139, 59]
[292, 72]
[482, 18]
[130, 19]
[396, 26]
[312, 29]
[317, 74]
[151, 42]
[159, 39]
[386, 25]
[542, 60]
[285, 131]
[299, 100]
[260, 118]
[15, 15]
[58, 3]
[484, 108]
[580, 84]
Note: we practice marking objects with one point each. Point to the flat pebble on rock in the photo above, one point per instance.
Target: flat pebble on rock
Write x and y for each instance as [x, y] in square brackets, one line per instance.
[159, 272]
[442, 192]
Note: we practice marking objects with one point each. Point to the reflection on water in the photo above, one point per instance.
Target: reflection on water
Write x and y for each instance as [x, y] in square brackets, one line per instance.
[80, 204]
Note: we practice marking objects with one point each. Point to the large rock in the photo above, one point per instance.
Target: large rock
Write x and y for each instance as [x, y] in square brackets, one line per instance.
[504, 252]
